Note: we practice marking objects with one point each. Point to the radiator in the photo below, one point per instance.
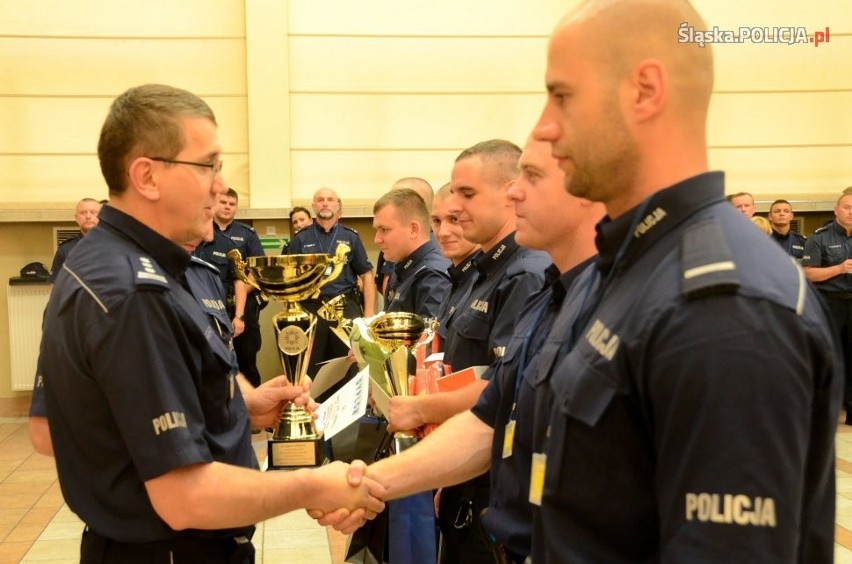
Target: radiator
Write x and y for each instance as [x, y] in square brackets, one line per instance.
[26, 307]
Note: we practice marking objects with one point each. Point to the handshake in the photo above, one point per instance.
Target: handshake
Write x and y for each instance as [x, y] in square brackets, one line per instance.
[346, 497]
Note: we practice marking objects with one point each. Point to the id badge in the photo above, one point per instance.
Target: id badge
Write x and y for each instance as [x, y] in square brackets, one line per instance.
[508, 439]
[539, 463]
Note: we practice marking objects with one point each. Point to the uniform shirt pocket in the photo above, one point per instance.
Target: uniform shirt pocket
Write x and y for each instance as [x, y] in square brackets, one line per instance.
[581, 389]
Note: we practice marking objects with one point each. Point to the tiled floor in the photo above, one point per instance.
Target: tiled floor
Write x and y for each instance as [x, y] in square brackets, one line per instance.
[37, 527]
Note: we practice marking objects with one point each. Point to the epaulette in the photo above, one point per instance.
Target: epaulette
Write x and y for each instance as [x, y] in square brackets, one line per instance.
[146, 272]
[246, 225]
[823, 228]
[708, 266]
[355, 231]
[74, 238]
[202, 262]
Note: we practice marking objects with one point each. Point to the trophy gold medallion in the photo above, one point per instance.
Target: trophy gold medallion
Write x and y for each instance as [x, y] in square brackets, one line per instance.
[291, 279]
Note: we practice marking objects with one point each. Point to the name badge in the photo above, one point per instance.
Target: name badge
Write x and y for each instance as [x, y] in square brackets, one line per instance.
[328, 270]
[508, 439]
[539, 463]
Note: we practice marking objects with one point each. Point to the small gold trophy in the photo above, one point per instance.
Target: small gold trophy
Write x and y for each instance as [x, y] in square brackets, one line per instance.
[388, 344]
[291, 279]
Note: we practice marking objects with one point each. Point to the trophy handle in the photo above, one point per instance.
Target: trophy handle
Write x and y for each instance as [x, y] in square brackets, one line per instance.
[338, 261]
[240, 267]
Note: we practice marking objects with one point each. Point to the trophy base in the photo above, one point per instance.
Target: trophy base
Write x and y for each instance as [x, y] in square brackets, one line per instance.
[283, 454]
[403, 442]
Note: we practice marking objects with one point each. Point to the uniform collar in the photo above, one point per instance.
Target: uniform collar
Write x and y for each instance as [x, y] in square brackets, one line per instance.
[173, 258]
[780, 237]
[560, 283]
[457, 272]
[407, 264]
[320, 229]
[837, 228]
[489, 260]
[660, 213]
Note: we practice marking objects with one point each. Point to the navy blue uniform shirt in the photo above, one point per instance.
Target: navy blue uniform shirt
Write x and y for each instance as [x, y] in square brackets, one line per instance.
[461, 276]
[694, 413]
[793, 243]
[829, 245]
[480, 327]
[215, 252]
[61, 254]
[244, 236]
[510, 395]
[138, 379]
[313, 239]
[419, 283]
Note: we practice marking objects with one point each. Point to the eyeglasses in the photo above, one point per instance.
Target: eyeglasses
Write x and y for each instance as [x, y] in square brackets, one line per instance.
[215, 168]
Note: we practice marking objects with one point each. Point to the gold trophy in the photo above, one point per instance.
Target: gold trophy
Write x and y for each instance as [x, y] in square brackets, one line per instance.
[388, 344]
[291, 279]
[334, 311]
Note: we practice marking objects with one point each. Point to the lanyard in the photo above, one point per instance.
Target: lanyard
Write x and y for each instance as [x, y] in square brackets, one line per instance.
[331, 243]
[522, 363]
[585, 313]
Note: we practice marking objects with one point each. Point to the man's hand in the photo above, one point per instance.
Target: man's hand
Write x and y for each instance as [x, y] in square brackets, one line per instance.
[266, 402]
[347, 497]
[404, 413]
[239, 326]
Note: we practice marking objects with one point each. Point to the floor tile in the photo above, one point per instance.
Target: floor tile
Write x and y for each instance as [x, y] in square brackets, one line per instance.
[296, 556]
[61, 550]
[13, 551]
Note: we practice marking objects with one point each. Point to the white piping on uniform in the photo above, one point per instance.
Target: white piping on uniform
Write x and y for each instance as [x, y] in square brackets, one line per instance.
[800, 300]
[89, 290]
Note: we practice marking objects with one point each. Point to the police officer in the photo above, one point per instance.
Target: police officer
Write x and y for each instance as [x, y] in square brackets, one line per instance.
[828, 263]
[780, 215]
[479, 329]
[235, 291]
[249, 340]
[744, 202]
[498, 430]
[132, 376]
[322, 237]
[86, 217]
[655, 448]
[419, 283]
[461, 252]
[384, 268]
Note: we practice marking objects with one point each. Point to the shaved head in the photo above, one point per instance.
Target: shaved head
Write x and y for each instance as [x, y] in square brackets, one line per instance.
[627, 102]
[418, 185]
[621, 34]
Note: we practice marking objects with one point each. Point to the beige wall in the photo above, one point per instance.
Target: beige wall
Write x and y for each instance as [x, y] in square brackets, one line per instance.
[356, 94]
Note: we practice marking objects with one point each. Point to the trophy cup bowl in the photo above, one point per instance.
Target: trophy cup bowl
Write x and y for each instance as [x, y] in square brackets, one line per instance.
[291, 279]
[398, 335]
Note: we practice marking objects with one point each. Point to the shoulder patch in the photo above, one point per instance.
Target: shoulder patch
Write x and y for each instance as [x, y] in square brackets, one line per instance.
[146, 272]
[74, 238]
[245, 225]
[708, 266]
